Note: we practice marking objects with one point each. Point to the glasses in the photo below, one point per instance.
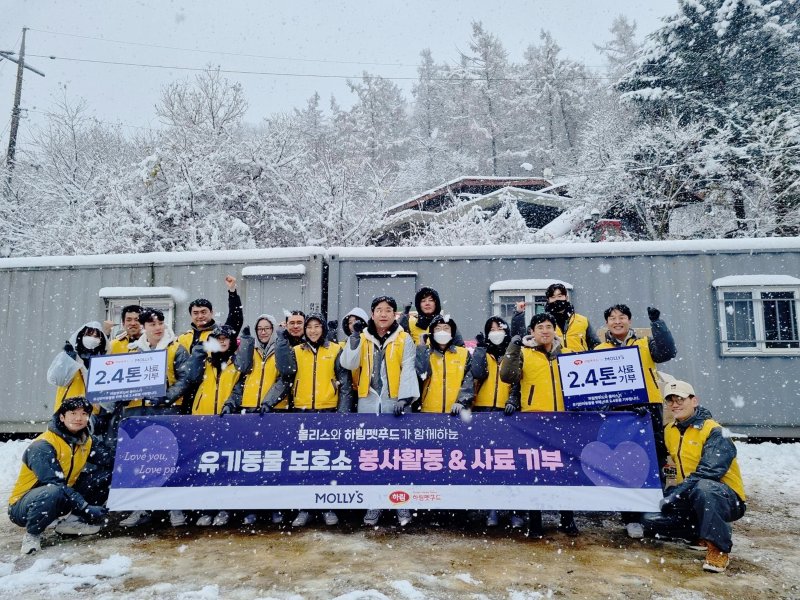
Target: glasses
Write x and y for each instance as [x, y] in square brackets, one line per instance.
[263, 329]
[676, 400]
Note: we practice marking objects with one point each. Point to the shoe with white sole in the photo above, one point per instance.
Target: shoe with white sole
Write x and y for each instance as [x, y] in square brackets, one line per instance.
[517, 521]
[249, 519]
[177, 518]
[74, 525]
[136, 518]
[372, 517]
[221, 519]
[492, 519]
[277, 517]
[403, 516]
[302, 519]
[635, 530]
[330, 518]
[205, 520]
[31, 542]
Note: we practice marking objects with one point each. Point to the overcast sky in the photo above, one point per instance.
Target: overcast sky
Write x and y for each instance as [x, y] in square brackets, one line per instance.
[307, 45]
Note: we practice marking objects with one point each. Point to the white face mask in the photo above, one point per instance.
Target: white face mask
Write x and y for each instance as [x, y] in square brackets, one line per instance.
[442, 337]
[497, 337]
[90, 342]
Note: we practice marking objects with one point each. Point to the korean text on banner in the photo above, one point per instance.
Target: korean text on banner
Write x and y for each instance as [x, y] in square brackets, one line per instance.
[121, 377]
[602, 378]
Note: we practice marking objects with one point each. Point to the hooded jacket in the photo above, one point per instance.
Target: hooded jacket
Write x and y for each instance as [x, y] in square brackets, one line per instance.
[657, 349]
[490, 391]
[177, 366]
[418, 324]
[55, 458]
[536, 371]
[701, 451]
[445, 372]
[70, 374]
[262, 372]
[218, 377]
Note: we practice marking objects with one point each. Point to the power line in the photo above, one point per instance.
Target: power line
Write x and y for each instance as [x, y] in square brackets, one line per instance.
[311, 75]
[96, 120]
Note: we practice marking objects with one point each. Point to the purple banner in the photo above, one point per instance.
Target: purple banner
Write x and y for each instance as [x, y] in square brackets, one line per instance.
[583, 461]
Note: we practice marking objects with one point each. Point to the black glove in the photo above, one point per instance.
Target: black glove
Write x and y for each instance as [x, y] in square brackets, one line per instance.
[333, 325]
[510, 408]
[480, 341]
[70, 350]
[246, 331]
[159, 401]
[226, 409]
[399, 407]
[406, 309]
[423, 339]
[95, 513]
[517, 340]
[667, 504]
[653, 313]
[639, 411]
[265, 408]
[358, 326]
[456, 408]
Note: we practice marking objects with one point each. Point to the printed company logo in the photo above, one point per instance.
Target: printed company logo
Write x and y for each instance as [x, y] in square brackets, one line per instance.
[109, 362]
[399, 497]
[577, 362]
[339, 498]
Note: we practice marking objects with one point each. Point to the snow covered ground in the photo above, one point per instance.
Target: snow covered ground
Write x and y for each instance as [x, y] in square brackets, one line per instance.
[427, 560]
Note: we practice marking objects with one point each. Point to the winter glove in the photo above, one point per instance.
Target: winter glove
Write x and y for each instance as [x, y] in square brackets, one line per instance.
[358, 327]
[667, 504]
[423, 339]
[400, 407]
[227, 409]
[406, 309]
[640, 411]
[480, 341]
[265, 408]
[517, 340]
[653, 313]
[95, 513]
[456, 408]
[509, 409]
[160, 401]
[246, 331]
[70, 351]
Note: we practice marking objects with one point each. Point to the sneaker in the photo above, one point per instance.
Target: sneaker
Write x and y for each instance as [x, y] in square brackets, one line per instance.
[716, 560]
[31, 542]
[136, 518]
[302, 519]
[249, 519]
[699, 545]
[330, 518]
[635, 530]
[221, 519]
[177, 518]
[205, 520]
[372, 517]
[517, 521]
[403, 516]
[277, 517]
[492, 519]
[73, 525]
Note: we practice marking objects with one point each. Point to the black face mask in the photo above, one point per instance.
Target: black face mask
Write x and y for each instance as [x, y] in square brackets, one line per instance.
[558, 306]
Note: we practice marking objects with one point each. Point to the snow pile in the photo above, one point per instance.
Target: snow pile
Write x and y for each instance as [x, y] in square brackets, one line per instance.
[44, 575]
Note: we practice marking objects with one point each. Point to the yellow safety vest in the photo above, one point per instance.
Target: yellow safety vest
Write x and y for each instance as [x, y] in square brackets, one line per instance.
[440, 390]
[575, 338]
[215, 389]
[540, 386]
[185, 339]
[259, 381]
[687, 449]
[71, 459]
[392, 357]
[315, 385]
[648, 366]
[493, 392]
[120, 346]
[76, 387]
[415, 332]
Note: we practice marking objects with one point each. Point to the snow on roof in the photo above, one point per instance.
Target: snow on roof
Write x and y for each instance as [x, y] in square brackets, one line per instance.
[142, 292]
[562, 224]
[608, 249]
[755, 280]
[200, 256]
[273, 270]
[387, 274]
[526, 284]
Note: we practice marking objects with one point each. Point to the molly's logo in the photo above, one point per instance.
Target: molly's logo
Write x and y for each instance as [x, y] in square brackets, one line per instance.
[399, 497]
[339, 498]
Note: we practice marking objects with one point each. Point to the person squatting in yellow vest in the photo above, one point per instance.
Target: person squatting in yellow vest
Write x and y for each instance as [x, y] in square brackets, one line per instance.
[317, 380]
[381, 358]
[444, 369]
[530, 364]
[53, 482]
[709, 493]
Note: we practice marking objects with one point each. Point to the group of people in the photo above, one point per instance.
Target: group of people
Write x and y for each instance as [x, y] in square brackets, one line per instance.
[390, 362]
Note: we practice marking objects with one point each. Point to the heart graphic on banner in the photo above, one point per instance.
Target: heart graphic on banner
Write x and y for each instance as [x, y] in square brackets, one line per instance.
[147, 459]
[627, 465]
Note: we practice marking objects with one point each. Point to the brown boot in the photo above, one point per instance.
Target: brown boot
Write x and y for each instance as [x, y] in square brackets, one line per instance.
[716, 560]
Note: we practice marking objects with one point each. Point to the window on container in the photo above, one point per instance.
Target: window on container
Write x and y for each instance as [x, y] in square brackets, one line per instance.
[759, 321]
[505, 303]
[739, 321]
[115, 306]
[780, 320]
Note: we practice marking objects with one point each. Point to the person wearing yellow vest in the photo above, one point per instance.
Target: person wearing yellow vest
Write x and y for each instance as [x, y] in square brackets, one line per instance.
[317, 380]
[382, 356]
[159, 336]
[52, 481]
[131, 330]
[202, 315]
[444, 368]
[491, 393]
[70, 367]
[428, 305]
[261, 371]
[575, 331]
[356, 315]
[530, 363]
[709, 493]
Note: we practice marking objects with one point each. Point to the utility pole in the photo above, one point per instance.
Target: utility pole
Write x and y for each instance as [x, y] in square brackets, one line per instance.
[15, 111]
